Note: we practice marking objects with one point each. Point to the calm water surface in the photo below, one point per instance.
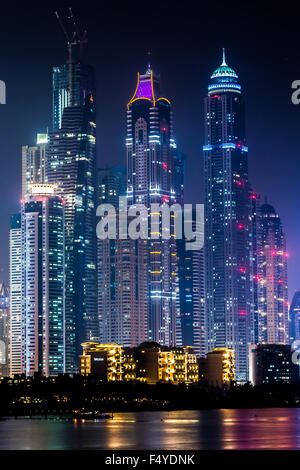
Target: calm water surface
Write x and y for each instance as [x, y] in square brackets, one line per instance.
[210, 429]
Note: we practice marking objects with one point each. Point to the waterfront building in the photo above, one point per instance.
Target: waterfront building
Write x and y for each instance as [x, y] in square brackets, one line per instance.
[150, 149]
[149, 362]
[43, 277]
[17, 332]
[71, 165]
[191, 273]
[229, 300]
[273, 286]
[217, 369]
[103, 360]
[270, 363]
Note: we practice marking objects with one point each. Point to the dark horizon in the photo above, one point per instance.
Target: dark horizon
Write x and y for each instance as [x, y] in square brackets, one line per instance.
[186, 47]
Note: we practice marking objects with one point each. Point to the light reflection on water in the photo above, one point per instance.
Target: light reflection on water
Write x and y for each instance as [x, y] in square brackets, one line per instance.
[206, 429]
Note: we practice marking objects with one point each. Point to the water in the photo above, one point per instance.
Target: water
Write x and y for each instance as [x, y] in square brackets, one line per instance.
[208, 429]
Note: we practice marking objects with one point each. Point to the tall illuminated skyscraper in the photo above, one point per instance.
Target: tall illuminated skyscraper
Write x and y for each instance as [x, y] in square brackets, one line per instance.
[17, 332]
[150, 179]
[43, 277]
[192, 295]
[227, 227]
[71, 166]
[273, 293]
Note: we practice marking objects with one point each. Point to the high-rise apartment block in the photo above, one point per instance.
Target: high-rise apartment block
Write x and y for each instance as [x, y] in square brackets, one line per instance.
[43, 287]
[227, 223]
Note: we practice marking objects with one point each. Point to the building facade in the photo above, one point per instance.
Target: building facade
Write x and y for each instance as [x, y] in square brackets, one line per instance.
[149, 362]
[217, 369]
[255, 250]
[122, 312]
[43, 287]
[227, 225]
[34, 163]
[17, 331]
[192, 301]
[71, 166]
[273, 288]
[150, 179]
[4, 331]
[71, 84]
[271, 363]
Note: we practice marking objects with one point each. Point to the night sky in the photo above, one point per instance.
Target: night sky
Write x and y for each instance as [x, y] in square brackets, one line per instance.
[262, 46]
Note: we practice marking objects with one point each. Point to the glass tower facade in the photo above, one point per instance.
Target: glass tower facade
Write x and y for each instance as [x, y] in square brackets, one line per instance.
[43, 286]
[71, 83]
[273, 291]
[150, 179]
[17, 333]
[71, 166]
[227, 234]
[120, 318]
[192, 293]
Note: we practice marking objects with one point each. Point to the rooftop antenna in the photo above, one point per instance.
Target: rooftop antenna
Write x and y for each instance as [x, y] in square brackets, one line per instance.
[72, 41]
[149, 60]
[224, 58]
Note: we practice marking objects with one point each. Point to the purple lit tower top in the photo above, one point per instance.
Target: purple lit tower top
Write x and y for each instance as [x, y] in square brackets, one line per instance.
[147, 88]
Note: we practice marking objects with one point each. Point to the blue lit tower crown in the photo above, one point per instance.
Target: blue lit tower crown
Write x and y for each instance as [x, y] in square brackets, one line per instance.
[224, 79]
[228, 233]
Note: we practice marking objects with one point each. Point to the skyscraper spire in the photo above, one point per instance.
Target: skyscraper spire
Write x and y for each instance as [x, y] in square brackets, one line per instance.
[149, 61]
[228, 265]
[224, 59]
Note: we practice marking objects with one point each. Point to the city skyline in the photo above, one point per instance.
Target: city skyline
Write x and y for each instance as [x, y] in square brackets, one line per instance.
[242, 283]
[177, 69]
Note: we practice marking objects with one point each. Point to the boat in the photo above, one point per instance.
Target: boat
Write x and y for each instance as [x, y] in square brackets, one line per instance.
[81, 414]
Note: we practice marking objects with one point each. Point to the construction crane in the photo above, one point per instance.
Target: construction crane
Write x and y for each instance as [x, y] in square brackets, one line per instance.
[76, 39]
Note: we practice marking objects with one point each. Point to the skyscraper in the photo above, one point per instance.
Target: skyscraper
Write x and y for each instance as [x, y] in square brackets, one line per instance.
[122, 311]
[71, 165]
[43, 280]
[255, 248]
[17, 332]
[150, 179]
[34, 163]
[228, 270]
[111, 183]
[191, 273]
[4, 330]
[295, 318]
[71, 84]
[273, 292]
